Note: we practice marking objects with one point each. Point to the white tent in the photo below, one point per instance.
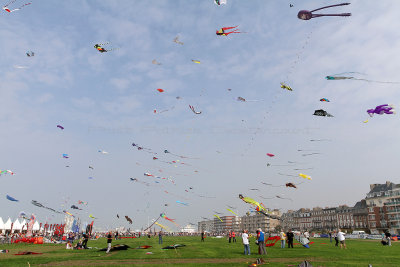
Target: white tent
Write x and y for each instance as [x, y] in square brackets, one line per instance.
[36, 226]
[23, 225]
[16, 226]
[1, 225]
[7, 225]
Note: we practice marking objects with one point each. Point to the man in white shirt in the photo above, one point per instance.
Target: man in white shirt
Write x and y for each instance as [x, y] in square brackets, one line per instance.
[341, 238]
[307, 235]
[245, 238]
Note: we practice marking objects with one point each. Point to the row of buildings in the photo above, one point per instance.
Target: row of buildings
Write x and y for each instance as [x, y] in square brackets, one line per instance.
[377, 213]
[225, 224]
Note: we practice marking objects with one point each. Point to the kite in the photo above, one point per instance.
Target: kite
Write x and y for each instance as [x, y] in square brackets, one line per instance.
[5, 8]
[40, 205]
[182, 157]
[287, 87]
[307, 15]
[204, 218]
[117, 247]
[90, 167]
[70, 214]
[305, 176]
[59, 126]
[196, 61]
[176, 40]
[324, 100]
[223, 32]
[291, 5]
[291, 185]
[321, 112]
[155, 62]
[91, 216]
[270, 155]
[162, 226]
[101, 49]
[160, 90]
[30, 54]
[82, 202]
[319, 140]
[143, 247]
[11, 198]
[283, 198]
[381, 109]
[218, 217]
[365, 121]
[75, 207]
[164, 110]
[128, 219]
[65, 156]
[219, 213]
[309, 154]
[220, 2]
[169, 219]
[259, 206]
[159, 177]
[183, 203]
[148, 150]
[174, 246]
[241, 99]
[136, 180]
[335, 77]
[103, 152]
[232, 211]
[195, 112]
[6, 172]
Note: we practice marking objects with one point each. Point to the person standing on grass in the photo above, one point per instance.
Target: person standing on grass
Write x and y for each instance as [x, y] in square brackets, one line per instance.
[283, 238]
[290, 237]
[109, 240]
[230, 236]
[261, 242]
[233, 237]
[330, 236]
[388, 238]
[202, 236]
[245, 238]
[160, 237]
[336, 239]
[341, 238]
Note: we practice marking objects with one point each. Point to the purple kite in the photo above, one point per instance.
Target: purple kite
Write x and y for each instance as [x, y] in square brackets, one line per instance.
[59, 126]
[307, 15]
[381, 109]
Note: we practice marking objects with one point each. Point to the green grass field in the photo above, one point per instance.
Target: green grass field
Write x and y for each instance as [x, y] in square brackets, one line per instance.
[212, 252]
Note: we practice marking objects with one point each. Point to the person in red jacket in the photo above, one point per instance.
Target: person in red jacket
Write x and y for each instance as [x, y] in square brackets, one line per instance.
[233, 237]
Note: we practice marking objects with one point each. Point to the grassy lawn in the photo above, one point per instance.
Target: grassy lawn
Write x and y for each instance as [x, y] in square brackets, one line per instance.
[212, 252]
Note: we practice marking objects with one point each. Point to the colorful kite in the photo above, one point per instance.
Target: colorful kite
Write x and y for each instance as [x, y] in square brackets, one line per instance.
[101, 49]
[30, 54]
[259, 206]
[5, 8]
[91, 216]
[322, 113]
[59, 126]
[196, 61]
[155, 62]
[70, 214]
[65, 156]
[218, 217]
[232, 211]
[307, 15]
[324, 100]
[169, 219]
[194, 111]
[6, 172]
[305, 176]
[82, 202]
[222, 31]
[11, 198]
[162, 226]
[287, 87]
[148, 150]
[176, 40]
[183, 203]
[220, 2]
[103, 152]
[381, 109]
[336, 77]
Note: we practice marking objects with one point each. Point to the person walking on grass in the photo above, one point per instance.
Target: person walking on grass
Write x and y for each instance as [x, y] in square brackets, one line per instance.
[341, 239]
[246, 244]
[336, 239]
[388, 238]
[109, 240]
[290, 237]
[160, 237]
[202, 236]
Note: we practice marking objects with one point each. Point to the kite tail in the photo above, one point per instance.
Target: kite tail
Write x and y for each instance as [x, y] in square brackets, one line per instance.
[331, 15]
[343, 4]
[371, 81]
[24, 5]
[9, 3]
[228, 28]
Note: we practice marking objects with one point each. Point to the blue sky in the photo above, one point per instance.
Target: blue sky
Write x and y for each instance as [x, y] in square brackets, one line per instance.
[105, 101]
